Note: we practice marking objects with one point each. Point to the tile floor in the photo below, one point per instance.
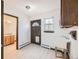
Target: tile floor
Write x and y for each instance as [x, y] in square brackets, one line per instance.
[31, 51]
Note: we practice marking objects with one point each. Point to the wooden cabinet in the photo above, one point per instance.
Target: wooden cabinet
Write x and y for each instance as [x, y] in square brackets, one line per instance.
[8, 40]
[69, 13]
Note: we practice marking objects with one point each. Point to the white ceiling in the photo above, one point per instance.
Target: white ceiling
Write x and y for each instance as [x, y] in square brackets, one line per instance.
[37, 6]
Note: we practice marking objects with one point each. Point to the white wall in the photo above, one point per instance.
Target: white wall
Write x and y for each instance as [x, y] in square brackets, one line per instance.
[56, 39]
[9, 25]
[24, 30]
[74, 44]
[23, 26]
[12, 28]
[6, 28]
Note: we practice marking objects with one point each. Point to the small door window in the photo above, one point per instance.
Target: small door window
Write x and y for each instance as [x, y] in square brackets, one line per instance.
[35, 24]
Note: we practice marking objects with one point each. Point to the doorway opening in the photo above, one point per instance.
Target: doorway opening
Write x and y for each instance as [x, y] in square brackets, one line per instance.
[10, 34]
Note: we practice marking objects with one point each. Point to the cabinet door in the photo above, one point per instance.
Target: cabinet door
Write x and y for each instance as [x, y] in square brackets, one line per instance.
[12, 39]
[74, 12]
[7, 40]
[69, 13]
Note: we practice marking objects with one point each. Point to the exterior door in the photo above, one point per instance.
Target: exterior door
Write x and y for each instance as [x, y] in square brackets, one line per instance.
[36, 32]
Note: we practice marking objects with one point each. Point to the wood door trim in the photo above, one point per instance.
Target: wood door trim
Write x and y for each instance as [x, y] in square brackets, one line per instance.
[16, 28]
[10, 15]
[2, 49]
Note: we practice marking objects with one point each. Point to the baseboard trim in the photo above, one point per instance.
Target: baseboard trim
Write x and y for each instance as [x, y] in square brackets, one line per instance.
[24, 45]
[47, 47]
[44, 45]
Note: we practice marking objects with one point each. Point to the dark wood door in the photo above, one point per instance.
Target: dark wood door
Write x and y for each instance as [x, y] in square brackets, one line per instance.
[69, 13]
[36, 32]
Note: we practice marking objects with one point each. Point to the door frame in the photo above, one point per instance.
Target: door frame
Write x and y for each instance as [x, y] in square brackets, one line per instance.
[16, 28]
[2, 49]
[31, 29]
